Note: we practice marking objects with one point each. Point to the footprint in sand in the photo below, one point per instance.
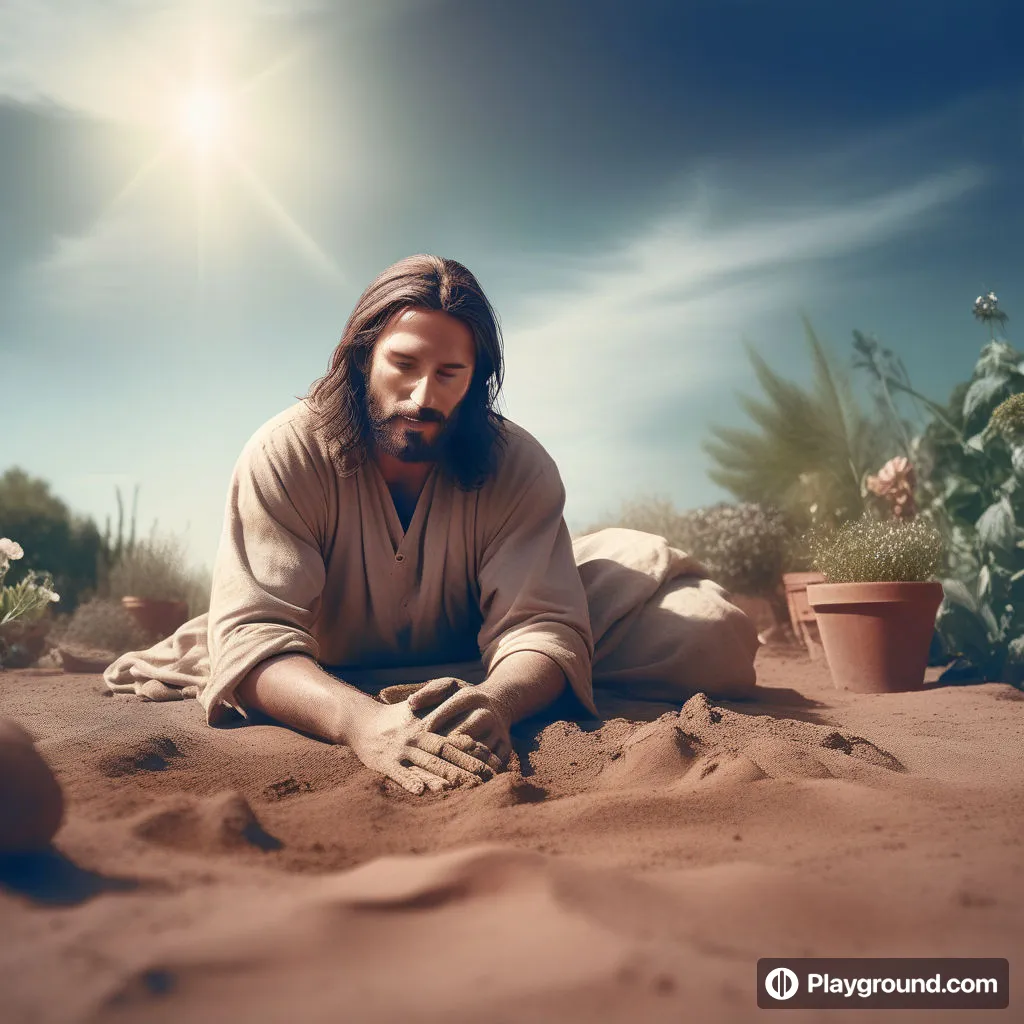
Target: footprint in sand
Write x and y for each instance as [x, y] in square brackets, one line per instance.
[218, 823]
[153, 754]
[704, 745]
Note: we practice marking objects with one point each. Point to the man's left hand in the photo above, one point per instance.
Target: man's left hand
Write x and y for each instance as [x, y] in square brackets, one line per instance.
[467, 714]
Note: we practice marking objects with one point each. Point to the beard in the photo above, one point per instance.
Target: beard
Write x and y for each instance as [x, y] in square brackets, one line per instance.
[393, 435]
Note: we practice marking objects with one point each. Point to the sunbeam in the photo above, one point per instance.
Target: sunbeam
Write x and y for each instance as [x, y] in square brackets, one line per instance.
[284, 219]
[136, 180]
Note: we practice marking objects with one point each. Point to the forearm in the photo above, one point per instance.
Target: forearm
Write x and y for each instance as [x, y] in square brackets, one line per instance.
[293, 690]
[523, 684]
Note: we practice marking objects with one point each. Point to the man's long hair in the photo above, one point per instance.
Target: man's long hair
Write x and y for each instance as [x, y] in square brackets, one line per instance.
[338, 400]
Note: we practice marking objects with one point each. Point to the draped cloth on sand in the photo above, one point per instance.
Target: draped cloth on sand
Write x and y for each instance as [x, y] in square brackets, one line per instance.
[313, 559]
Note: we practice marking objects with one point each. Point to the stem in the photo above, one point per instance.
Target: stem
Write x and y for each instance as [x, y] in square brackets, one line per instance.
[895, 416]
[17, 610]
[935, 408]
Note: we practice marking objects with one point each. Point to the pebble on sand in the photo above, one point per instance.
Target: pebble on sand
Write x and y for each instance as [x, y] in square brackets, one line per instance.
[31, 802]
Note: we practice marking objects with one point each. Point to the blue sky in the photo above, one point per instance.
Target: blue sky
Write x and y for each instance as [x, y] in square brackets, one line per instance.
[639, 188]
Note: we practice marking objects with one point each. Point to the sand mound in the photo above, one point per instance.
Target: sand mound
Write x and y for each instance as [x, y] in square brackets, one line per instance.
[706, 744]
[211, 825]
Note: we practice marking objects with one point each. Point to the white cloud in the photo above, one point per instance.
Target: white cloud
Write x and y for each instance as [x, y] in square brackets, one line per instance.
[656, 322]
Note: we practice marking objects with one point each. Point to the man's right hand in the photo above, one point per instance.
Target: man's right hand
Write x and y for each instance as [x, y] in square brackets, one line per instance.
[391, 740]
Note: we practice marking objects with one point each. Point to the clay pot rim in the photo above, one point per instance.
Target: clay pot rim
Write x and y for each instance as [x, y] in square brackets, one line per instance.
[821, 595]
[809, 576]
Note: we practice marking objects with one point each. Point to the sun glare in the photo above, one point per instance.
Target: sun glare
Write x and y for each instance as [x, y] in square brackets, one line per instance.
[203, 119]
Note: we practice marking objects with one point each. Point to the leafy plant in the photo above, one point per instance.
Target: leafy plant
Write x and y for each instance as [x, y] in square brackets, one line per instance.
[813, 448]
[981, 620]
[970, 459]
[24, 603]
[871, 550]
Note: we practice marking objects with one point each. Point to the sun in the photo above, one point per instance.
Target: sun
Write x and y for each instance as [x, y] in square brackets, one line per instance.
[203, 119]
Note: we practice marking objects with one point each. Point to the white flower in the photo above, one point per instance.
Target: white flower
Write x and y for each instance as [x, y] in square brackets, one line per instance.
[11, 548]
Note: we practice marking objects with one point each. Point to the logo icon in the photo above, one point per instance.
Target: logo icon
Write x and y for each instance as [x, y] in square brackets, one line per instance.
[782, 983]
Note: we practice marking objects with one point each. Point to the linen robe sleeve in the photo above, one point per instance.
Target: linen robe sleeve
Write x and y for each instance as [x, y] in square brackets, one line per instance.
[531, 594]
[269, 573]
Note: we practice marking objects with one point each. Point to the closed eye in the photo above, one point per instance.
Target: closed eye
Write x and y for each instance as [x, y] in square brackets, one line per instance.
[403, 365]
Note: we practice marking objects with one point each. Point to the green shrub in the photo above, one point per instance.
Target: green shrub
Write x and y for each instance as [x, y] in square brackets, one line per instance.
[55, 540]
[157, 569]
[100, 624]
[878, 550]
[745, 547]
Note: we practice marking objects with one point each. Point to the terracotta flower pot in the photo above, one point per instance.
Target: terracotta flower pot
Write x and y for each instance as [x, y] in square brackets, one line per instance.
[158, 618]
[85, 660]
[876, 635]
[801, 614]
[22, 643]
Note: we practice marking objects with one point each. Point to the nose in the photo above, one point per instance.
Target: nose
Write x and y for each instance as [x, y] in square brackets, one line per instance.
[423, 392]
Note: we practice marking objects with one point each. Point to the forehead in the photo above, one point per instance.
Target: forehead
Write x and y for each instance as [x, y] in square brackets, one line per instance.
[428, 332]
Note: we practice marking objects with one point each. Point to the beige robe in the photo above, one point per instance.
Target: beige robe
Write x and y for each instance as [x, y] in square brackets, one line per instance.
[313, 559]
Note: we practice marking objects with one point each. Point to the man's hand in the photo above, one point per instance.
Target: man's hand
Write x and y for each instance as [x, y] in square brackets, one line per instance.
[390, 739]
[466, 713]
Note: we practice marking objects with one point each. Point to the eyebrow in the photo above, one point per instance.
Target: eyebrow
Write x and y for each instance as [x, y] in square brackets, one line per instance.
[414, 358]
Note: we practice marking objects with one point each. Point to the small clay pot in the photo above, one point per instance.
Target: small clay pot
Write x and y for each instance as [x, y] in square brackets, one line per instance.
[876, 635]
[87, 660]
[159, 619]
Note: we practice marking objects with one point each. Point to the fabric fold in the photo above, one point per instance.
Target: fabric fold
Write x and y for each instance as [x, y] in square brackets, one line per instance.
[312, 560]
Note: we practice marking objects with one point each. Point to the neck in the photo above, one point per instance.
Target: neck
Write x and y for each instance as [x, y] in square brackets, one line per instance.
[403, 476]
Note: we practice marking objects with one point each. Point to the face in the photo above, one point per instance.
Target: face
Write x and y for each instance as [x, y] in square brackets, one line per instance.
[421, 369]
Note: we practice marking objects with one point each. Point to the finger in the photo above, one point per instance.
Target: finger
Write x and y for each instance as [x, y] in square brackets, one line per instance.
[432, 782]
[478, 723]
[477, 749]
[397, 693]
[502, 750]
[433, 692]
[438, 766]
[465, 699]
[441, 747]
[405, 778]
[474, 747]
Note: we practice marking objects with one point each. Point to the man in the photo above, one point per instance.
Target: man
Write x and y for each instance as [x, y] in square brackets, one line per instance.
[391, 525]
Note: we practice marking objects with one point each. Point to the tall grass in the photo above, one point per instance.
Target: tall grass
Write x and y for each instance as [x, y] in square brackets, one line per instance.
[158, 568]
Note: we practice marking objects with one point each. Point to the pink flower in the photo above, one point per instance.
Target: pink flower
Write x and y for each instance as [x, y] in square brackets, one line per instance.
[895, 482]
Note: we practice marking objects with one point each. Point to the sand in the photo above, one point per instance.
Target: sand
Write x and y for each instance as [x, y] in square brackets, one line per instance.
[633, 869]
